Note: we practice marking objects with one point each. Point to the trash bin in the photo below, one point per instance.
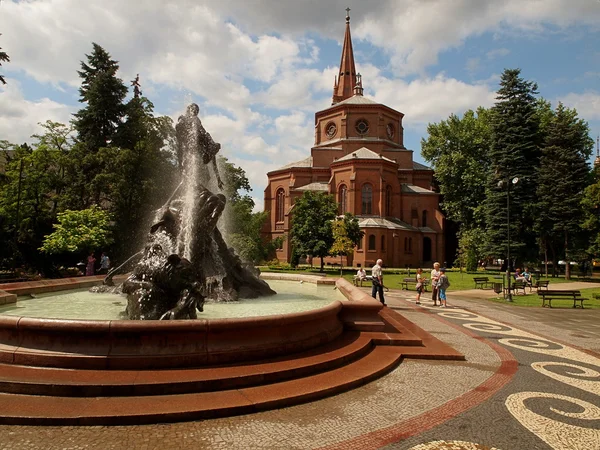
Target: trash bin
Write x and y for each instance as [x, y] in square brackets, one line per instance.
[497, 288]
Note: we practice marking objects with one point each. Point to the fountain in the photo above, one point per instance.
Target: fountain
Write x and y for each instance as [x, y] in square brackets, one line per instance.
[103, 372]
[186, 259]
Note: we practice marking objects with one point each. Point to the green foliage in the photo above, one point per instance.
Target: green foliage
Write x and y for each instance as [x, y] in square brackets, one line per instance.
[562, 179]
[311, 224]
[514, 153]
[79, 231]
[3, 58]
[458, 150]
[471, 248]
[591, 210]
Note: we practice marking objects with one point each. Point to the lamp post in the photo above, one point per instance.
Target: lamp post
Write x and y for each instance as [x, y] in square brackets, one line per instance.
[501, 184]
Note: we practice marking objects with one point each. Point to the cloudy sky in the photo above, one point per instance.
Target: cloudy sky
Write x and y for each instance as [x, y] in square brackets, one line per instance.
[259, 69]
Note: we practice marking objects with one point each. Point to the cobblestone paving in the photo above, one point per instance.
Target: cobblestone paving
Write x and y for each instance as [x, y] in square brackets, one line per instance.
[551, 402]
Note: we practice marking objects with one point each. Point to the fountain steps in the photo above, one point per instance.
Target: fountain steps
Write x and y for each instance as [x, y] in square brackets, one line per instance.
[102, 383]
[54, 396]
[52, 410]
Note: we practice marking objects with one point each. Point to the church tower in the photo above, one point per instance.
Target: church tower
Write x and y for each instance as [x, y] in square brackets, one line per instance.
[360, 159]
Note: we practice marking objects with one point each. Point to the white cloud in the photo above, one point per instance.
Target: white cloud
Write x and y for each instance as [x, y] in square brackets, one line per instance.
[19, 118]
[497, 53]
[586, 104]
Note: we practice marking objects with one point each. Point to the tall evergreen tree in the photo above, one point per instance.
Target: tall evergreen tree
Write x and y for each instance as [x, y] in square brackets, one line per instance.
[3, 58]
[103, 92]
[514, 153]
[563, 177]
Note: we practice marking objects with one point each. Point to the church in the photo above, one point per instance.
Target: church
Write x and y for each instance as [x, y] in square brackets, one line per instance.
[359, 157]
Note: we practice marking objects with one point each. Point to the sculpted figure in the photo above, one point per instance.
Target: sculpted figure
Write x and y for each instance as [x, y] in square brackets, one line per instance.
[192, 139]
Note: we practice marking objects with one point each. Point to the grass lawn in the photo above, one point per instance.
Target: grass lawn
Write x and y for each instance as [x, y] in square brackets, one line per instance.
[533, 300]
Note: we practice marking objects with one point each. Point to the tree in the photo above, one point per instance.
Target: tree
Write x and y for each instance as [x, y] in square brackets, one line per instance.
[311, 224]
[103, 92]
[346, 235]
[458, 150]
[591, 210]
[79, 232]
[514, 152]
[471, 248]
[3, 58]
[563, 177]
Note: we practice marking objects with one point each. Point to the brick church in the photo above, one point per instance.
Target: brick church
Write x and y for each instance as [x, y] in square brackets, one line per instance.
[359, 157]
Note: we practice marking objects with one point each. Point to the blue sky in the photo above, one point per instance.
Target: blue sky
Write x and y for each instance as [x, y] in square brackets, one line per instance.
[259, 69]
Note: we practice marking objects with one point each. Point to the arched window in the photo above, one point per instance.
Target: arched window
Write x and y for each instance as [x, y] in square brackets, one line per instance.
[405, 245]
[388, 201]
[342, 199]
[280, 205]
[372, 242]
[383, 243]
[367, 199]
[360, 244]
[409, 245]
[424, 218]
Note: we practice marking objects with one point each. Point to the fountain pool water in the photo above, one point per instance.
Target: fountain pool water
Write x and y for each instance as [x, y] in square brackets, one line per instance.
[292, 297]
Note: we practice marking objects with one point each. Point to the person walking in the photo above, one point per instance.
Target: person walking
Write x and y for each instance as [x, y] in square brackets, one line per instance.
[377, 279]
[420, 285]
[443, 284]
[435, 276]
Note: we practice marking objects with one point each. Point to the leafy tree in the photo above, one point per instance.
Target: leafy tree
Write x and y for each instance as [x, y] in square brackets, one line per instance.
[311, 224]
[562, 179]
[514, 153]
[346, 235]
[591, 210]
[3, 58]
[79, 232]
[471, 248]
[458, 150]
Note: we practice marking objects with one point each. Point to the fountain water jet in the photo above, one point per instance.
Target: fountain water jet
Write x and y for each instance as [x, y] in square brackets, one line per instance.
[186, 259]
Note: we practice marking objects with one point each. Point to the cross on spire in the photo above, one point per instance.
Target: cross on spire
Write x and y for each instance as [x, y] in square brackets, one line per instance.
[348, 15]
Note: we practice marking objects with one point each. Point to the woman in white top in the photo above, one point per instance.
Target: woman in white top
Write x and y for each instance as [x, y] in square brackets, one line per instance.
[435, 276]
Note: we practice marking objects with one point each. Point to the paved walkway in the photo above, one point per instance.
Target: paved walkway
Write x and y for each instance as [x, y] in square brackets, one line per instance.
[517, 390]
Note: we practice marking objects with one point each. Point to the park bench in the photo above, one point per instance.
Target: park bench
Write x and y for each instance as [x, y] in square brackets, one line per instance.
[549, 295]
[360, 281]
[540, 284]
[411, 281]
[516, 286]
[481, 282]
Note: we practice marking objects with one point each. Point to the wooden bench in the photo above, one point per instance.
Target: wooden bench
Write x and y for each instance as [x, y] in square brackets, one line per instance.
[360, 281]
[481, 282]
[407, 281]
[549, 295]
[516, 286]
[540, 284]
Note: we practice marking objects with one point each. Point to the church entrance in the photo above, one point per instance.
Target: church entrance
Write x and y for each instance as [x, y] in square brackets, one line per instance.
[426, 249]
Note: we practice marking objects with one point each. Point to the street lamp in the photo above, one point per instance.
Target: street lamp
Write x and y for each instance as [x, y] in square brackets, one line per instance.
[502, 184]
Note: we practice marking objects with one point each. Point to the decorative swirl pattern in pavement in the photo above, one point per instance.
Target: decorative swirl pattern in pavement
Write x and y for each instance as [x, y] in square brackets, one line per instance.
[452, 445]
[561, 421]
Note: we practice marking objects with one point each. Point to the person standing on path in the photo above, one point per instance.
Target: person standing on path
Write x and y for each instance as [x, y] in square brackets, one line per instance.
[420, 285]
[104, 263]
[435, 276]
[377, 279]
[91, 261]
[443, 284]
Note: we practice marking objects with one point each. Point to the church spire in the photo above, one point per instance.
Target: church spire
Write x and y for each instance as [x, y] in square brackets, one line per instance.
[344, 87]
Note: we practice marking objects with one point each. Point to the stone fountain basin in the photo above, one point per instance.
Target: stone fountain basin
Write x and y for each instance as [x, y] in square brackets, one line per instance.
[118, 344]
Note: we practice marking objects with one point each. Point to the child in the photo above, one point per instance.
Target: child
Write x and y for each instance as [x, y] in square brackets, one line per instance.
[419, 286]
[443, 284]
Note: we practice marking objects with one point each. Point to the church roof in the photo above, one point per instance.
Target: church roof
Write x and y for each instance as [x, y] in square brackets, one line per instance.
[414, 189]
[380, 222]
[317, 186]
[357, 100]
[302, 163]
[419, 166]
[363, 153]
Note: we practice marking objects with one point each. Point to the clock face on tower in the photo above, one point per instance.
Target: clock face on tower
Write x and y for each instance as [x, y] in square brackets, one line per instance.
[390, 131]
[331, 130]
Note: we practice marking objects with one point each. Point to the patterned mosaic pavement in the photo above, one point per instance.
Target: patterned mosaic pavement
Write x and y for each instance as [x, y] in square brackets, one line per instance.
[516, 390]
